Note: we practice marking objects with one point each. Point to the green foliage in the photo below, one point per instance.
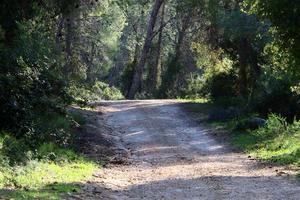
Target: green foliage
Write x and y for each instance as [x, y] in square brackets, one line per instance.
[277, 142]
[238, 24]
[44, 180]
[16, 150]
[211, 61]
[52, 128]
[170, 87]
[105, 92]
[33, 90]
[276, 95]
[99, 91]
[21, 149]
[285, 17]
[219, 80]
[222, 85]
[194, 88]
[51, 152]
[48, 172]
[75, 69]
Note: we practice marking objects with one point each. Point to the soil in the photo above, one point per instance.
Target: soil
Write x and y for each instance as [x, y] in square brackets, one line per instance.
[159, 152]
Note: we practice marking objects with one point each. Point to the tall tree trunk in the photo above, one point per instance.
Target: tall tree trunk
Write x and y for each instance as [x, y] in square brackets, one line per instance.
[137, 79]
[156, 68]
[181, 36]
[243, 52]
[173, 69]
[69, 34]
[87, 58]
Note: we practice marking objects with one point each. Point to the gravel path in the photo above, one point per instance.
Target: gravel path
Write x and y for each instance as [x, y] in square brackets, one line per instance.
[172, 157]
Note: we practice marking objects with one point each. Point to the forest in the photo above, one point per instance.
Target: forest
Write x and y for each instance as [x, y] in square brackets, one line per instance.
[238, 58]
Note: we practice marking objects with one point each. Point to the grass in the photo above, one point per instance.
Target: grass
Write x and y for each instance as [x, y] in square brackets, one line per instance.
[44, 179]
[277, 142]
[50, 173]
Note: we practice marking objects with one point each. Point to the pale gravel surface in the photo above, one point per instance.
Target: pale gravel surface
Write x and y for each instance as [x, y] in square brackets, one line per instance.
[172, 157]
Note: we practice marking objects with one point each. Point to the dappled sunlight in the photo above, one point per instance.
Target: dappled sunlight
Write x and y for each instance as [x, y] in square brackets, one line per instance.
[134, 134]
[172, 157]
[185, 179]
[172, 99]
[126, 105]
[155, 149]
[225, 186]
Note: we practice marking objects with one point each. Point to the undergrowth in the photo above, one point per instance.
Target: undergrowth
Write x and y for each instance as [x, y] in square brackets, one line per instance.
[51, 172]
[46, 172]
[99, 91]
[277, 142]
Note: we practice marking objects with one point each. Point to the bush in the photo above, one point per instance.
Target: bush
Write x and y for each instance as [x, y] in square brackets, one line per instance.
[277, 141]
[54, 129]
[33, 88]
[275, 126]
[194, 87]
[278, 98]
[170, 85]
[51, 128]
[222, 85]
[99, 91]
[16, 151]
[44, 179]
[105, 92]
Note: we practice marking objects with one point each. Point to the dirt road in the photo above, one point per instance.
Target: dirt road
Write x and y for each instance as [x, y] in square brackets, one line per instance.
[172, 157]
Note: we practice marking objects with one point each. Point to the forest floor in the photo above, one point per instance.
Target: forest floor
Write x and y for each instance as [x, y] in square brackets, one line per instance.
[158, 151]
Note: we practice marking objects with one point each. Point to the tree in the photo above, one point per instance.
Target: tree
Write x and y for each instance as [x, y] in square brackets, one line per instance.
[155, 70]
[137, 79]
[285, 18]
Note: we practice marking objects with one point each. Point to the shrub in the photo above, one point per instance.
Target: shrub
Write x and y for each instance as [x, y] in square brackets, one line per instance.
[275, 126]
[99, 91]
[278, 98]
[51, 152]
[222, 85]
[16, 151]
[51, 128]
[194, 87]
[170, 83]
[105, 92]
[33, 87]
[277, 141]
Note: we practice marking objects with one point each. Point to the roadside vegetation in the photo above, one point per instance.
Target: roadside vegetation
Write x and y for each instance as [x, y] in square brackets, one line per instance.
[46, 172]
[277, 142]
[50, 174]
